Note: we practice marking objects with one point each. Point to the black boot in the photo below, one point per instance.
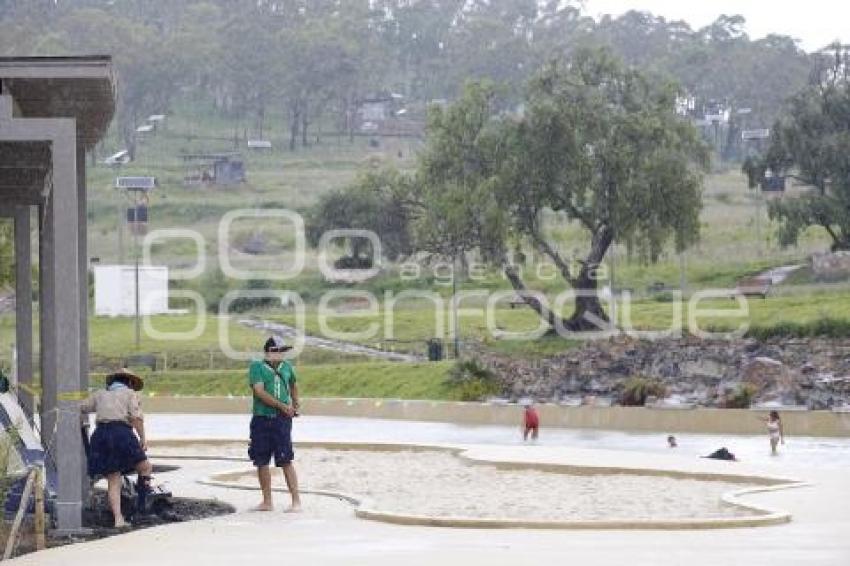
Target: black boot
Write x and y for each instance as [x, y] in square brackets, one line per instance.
[143, 487]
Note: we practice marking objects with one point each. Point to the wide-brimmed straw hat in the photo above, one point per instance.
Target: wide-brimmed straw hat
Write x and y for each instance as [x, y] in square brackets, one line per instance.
[134, 380]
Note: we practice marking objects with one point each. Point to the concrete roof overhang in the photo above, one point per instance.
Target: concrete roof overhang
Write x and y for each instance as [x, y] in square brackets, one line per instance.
[63, 87]
[82, 88]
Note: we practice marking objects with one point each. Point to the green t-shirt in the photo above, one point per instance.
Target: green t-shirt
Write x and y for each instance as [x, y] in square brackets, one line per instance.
[276, 382]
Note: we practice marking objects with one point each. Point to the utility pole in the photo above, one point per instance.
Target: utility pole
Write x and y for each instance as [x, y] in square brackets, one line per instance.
[612, 266]
[136, 278]
[136, 189]
[122, 219]
[758, 216]
[454, 308]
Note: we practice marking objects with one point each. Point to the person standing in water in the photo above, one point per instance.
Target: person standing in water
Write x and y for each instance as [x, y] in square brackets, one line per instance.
[774, 431]
[530, 422]
[272, 381]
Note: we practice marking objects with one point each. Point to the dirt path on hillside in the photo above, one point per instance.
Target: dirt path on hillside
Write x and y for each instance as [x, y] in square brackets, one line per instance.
[289, 332]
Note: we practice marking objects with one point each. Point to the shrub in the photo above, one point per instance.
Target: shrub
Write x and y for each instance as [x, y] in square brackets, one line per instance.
[471, 380]
[637, 389]
[826, 327]
[8, 439]
[742, 397]
[213, 287]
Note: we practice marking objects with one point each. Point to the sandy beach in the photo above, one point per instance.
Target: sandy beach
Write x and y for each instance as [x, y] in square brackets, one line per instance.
[441, 484]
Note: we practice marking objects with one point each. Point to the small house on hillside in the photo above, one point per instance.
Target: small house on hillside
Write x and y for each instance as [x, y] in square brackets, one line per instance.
[221, 169]
[387, 114]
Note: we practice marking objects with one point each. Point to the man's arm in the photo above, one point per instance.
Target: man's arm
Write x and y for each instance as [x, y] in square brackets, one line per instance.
[293, 391]
[293, 386]
[261, 394]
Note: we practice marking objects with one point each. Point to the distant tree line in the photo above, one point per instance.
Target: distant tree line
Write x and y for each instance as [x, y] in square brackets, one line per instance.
[313, 60]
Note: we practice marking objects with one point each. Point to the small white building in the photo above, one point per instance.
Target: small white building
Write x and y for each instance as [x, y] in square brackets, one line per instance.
[115, 290]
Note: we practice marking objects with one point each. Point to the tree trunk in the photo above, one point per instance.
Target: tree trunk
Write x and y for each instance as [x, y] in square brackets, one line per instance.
[542, 311]
[589, 314]
[305, 122]
[350, 113]
[840, 242]
[294, 124]
[128, 132]
[261, 121]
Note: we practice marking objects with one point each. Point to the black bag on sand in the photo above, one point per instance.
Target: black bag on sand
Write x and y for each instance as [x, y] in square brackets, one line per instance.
[721, 454]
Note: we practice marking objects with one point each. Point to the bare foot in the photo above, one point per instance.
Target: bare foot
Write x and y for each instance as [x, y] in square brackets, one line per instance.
[294, 508]
[263, 507]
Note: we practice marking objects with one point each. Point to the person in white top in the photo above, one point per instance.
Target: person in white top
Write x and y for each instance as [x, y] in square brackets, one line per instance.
[774, 431]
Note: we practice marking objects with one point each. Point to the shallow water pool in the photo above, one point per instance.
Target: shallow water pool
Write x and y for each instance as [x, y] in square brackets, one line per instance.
[797, 452]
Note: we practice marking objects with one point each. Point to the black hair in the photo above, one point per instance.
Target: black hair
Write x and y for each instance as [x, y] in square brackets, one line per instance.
[119, 378]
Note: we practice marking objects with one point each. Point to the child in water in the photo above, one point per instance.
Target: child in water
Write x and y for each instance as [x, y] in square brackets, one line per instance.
[774, 431]
[530, 422]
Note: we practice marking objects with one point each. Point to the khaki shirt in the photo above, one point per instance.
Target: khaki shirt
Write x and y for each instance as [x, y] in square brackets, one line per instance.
[117, 405]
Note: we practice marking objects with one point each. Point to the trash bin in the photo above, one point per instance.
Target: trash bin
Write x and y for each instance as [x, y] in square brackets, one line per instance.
[435, 350]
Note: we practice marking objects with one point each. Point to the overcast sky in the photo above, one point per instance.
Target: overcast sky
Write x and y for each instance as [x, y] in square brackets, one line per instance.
[816, 23]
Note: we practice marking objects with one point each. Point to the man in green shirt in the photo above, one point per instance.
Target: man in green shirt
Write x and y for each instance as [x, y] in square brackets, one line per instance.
[273, 385]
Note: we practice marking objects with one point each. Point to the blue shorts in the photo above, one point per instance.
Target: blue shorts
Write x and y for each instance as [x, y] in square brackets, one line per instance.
[271, 436]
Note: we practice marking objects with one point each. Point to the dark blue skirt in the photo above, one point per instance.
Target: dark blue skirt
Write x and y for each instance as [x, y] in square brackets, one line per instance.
[114, 449]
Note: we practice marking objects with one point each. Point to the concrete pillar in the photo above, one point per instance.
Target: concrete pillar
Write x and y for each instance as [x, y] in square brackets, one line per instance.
[60, 308]
[23, 308]
[46, 366]
[83, 263]
[83, 277]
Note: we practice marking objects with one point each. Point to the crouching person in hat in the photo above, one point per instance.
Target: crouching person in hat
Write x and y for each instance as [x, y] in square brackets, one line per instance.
[115, 448]
[275, 394]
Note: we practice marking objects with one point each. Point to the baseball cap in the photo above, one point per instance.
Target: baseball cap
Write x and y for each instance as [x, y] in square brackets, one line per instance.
[276, 344]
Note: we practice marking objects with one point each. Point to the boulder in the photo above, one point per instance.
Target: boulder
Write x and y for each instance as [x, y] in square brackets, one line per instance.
[702, 368]
[765, 373]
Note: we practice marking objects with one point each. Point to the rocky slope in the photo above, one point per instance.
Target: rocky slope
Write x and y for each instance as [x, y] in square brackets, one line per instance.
[811, 372]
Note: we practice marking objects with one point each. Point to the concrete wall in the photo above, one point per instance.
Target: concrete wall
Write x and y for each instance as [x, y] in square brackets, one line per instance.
[716, 421]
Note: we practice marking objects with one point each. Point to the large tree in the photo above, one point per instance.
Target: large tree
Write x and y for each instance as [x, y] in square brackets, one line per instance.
[811, 143]
[596, 142]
